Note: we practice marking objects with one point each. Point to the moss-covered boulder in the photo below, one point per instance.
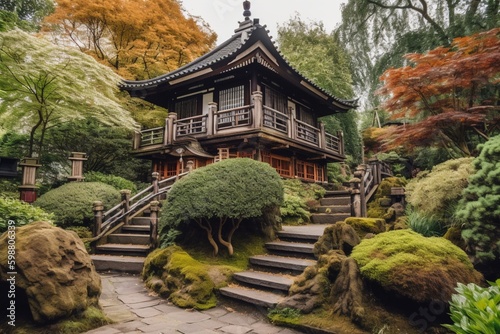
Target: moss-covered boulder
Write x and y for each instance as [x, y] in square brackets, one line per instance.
[415, 267]
[339, 236]
[53, 269]
[188, 283]
[362, 226]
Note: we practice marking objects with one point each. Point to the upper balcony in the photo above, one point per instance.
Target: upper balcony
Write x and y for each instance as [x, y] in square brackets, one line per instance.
[220, 123]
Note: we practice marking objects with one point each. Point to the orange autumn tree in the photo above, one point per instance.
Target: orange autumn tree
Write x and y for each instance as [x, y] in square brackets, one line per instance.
[139, 39]
[447, 97]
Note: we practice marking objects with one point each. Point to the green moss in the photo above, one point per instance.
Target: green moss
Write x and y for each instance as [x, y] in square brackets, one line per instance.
[362, 226]
[377, 207]
[416, 267]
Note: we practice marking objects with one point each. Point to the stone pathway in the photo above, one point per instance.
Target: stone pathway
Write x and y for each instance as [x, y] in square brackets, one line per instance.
[134, 309]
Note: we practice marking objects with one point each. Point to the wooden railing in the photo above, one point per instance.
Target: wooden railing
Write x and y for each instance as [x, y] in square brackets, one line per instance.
[232, 118]
[191, 126]
[130, 207]
[248, 117]
[275, 120]
[366, 180]
[152, 136]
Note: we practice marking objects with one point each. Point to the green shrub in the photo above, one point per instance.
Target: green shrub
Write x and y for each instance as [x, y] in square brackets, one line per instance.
[377, 207]
[300, 197]
[116, 182]
[219, 197]
[436, 193]
[475, 310]
[9, 189]
[480, 207]
[410, 265]
[427, 226]
[71, 203]
[21, 213]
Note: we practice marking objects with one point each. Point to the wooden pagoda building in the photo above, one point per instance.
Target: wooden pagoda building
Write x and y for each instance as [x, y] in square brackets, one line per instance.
[242, 99]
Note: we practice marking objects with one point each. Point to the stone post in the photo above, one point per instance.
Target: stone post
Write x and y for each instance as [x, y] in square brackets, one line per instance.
[28, 186]
[258, 111]
[125, 193]
[77, 159]
[154, 208]
[211, 119]
[190, 166]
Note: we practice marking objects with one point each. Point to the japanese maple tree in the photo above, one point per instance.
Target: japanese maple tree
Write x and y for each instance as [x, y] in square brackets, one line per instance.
[139, 39]
[446, 97]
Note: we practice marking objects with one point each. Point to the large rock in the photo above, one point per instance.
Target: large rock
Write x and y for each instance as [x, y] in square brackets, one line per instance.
[409, 265]
[54, 269]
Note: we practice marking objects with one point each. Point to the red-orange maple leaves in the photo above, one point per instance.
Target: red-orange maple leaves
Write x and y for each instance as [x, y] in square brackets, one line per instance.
[446, 96]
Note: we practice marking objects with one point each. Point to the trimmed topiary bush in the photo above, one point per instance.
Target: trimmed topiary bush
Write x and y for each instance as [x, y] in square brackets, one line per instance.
[116, 182]
[480, 208]
[410, 265]
[20, 213]
[218, 197]
[71, 203]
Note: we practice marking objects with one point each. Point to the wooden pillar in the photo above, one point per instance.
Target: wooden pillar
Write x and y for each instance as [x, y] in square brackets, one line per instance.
[125, 203]
[98, 209]
[258, 111]
[77, 159]
[322, 136]
[136, 141]
[154, 208]
[155, 180]
[355, 197]
[170, 128]
[211, 119]
[28, 186]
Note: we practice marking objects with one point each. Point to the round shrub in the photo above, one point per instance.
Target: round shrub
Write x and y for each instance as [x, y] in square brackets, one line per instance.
[116, 182]
[219, 197]
[20, 213]
[71, 203]
[410, 265]
[436, 193]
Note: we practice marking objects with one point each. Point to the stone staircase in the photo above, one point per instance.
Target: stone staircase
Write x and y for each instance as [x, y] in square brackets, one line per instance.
[334, 206]
[125, 249]
[271, 275]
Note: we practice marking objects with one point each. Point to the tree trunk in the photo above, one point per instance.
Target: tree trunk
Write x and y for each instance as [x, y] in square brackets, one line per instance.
[211, 240]
[221, 240]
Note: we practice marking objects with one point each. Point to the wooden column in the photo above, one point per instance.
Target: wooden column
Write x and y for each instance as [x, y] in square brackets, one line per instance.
[258, 111]
[211, 119]
[125, 193]
[77, 159]
[28, 186]
[170, 128]
[154, 208]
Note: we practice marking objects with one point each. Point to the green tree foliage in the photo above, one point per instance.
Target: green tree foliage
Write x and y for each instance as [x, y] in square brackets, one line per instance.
[317, 54]
[71, 203]
[475, 310]
[480, 207]
[80, 87]
[299, 198]
[219, 195]
[377, 33]
[435, 194]
[21, 213]
[27, 14]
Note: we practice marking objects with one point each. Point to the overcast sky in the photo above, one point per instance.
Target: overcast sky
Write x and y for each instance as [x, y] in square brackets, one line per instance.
[224, 15]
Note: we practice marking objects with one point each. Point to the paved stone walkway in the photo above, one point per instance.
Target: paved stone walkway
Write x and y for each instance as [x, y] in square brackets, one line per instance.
[134, 309]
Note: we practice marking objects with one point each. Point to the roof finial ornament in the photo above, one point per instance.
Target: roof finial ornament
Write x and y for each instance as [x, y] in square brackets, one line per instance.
[247, 13]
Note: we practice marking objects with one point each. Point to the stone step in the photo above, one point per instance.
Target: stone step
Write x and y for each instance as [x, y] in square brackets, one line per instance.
[256, 297]
[328, 218]
[281, 262]
[145, 221]
[330, 201]
[138, 239]
[310, 233]
[136, 229]
[338, 193]
[292, 247]
[334, 209]
[265, 280]
[126, 264]
[123, 249]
